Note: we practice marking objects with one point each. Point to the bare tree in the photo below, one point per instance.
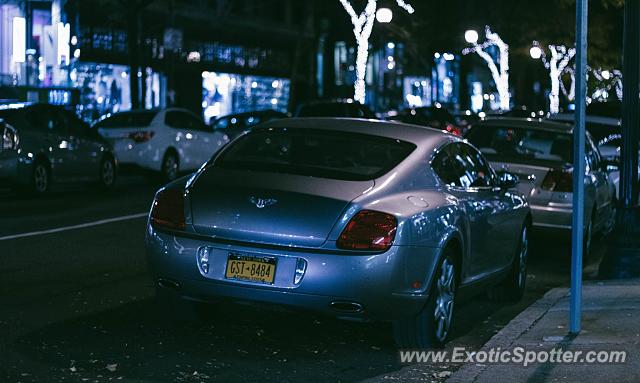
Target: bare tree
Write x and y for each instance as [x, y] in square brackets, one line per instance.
[499, 68]
[558, 65]
[362, 28]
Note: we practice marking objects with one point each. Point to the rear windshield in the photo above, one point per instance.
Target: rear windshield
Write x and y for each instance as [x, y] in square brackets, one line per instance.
[334, 110]
[127, 120]
[316, 153]
[501, 143]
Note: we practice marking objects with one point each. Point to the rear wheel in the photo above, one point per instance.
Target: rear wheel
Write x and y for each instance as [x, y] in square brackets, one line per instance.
[107, 173]
[513, 286]
[588, 236]
[170, 167]
[40, 178]
[432, 326]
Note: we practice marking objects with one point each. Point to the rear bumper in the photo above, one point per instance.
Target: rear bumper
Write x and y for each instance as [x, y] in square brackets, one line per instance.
[144, 156]
[380, 284]
[14, 168]
[552, 217]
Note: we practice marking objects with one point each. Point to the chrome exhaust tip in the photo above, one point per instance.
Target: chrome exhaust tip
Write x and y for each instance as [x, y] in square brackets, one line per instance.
[346, 307]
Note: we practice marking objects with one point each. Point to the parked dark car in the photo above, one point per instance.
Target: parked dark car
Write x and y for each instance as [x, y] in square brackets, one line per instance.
[465, 119]
[337, 108]
[430, 116]
[44, 144]
[234, 124]
[540, 153]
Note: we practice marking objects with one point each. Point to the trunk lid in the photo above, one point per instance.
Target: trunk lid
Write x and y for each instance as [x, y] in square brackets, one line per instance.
[531, 178]
[114, 135]
[270, 208]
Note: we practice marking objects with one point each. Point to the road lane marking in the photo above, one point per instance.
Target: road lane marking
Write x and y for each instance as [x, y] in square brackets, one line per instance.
[74, 227]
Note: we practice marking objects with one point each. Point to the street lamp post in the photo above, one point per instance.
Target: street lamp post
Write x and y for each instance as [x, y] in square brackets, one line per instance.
[579, 133]
[471, 36]
[384, 15]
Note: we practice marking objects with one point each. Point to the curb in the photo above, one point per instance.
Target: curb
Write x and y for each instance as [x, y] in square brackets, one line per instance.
[511, 332]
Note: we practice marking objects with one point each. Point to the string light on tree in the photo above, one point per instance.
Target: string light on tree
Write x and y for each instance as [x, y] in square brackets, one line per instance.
[557, 65]
[606, 81]
[499, 68]
[362, 27]
[571, 92]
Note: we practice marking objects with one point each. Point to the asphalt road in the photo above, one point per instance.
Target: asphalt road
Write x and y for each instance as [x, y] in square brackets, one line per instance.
[78, 306]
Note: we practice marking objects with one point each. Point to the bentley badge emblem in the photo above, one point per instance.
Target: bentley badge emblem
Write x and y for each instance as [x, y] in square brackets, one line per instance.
[262, 202]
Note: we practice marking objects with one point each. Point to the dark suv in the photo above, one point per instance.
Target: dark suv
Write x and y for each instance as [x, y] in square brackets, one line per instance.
[43, 144]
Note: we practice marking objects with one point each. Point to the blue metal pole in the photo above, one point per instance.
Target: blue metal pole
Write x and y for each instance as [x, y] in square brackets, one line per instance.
[578, 168]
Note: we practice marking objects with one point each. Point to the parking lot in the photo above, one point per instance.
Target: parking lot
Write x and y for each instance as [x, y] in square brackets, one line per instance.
[78, 305]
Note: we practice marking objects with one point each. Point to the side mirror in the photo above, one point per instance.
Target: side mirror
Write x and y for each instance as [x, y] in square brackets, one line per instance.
[507, 180]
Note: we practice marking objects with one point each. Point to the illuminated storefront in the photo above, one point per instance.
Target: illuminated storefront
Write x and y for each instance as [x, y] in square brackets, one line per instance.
[417, 91]
[225, 93]
[43, 60]
[105, 88]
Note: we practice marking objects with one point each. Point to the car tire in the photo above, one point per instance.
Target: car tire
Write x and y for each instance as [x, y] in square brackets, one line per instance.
[170, 167]
[40, 178]
[588, 237]
[107, 175]
[513, 286]
[431, 327]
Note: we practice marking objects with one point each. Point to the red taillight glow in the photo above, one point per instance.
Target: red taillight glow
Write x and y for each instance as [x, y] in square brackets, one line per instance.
[454, 130]
[558, 180]
[369, 230]
[167, 211]
[140, 137]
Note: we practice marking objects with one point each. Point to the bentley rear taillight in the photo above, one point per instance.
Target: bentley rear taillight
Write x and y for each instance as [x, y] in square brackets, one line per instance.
[167, 211]
[369, 230]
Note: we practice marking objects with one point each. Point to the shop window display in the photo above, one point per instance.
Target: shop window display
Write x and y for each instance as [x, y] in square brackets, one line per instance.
[224, 93]
[105, 88]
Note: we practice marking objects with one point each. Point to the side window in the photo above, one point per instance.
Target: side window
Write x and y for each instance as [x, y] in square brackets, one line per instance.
[47, 119]
[443, 166]
[182, 120]
[460, 165]
[593, 155]
[481, 173]
[76, 126]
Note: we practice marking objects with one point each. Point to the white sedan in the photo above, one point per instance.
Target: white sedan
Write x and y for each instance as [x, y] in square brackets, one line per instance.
[167, 142]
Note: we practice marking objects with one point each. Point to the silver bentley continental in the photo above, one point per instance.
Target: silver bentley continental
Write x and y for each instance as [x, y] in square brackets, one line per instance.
[359, 219]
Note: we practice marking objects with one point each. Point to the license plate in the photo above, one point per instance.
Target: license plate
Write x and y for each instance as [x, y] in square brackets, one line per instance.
[250, 268]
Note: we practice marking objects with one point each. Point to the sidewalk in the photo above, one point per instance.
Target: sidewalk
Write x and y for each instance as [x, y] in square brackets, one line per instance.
[610, 321]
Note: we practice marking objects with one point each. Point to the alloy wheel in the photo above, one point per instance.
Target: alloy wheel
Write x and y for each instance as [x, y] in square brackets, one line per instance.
[588, 238]
[522, 258]
[170, 167]
[108, 173]
[40, 178]
[445, 288]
